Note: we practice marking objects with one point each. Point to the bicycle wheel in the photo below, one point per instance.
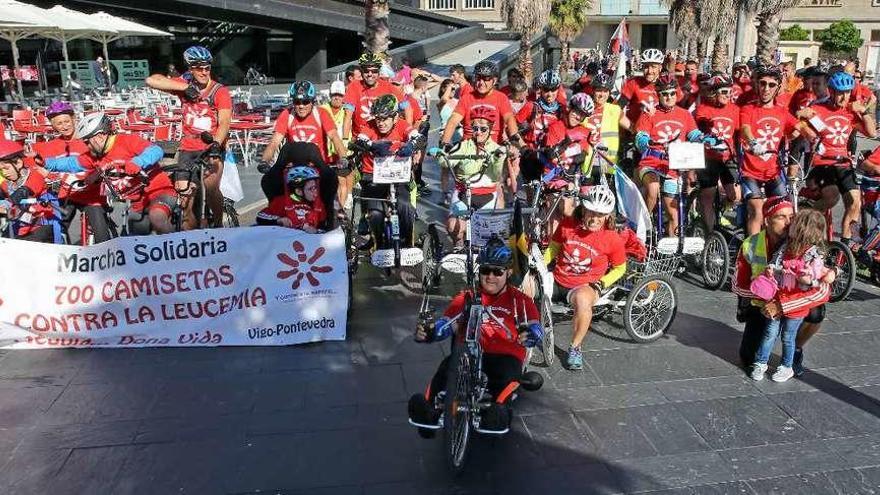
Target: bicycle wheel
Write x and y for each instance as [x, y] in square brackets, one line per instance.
[697, 228]
[431, 250]
[650, 309]
[230, 216]
[839, 255]
[715, 262]
[457, 413]
[548, 344]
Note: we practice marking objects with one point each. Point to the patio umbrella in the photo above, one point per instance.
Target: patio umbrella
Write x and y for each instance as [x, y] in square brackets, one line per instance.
[122, 28]
[18, 21]
[74, 25]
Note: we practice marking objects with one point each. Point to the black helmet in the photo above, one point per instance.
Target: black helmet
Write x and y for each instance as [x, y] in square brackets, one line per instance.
[665, 81]
[384, 106]
[485, 69]
[496, 253]
[370, 59]
[768, 71]
[602, 81]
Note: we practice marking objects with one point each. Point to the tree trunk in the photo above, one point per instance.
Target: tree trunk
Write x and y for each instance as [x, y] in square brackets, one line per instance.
[768, 36]
[525, 55]
[720, 53]
[377, 36]
[702, 43]
[563, 57]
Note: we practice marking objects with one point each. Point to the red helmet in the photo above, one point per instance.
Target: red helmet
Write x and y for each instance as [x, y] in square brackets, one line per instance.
[665, 81]
[10, 149]
[484, 112]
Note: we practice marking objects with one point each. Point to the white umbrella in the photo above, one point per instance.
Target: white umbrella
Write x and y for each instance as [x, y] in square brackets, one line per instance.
[74, 25]
[18, 21]
[122, 28]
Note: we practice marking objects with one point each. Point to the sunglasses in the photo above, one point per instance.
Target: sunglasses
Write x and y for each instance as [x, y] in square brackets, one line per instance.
[722, 92]
[302, 103]
[369, 71]
[486, 270]
[768, 84]
[670, 92]
[200, 68]
[480, 128]
[485, 78]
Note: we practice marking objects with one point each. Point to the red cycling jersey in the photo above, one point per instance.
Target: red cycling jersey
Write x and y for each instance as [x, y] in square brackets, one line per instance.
[801, 99]
[56, 149]
[663, 127]
[494, 99]
[511, 307]
[299, 211]
[770, 126]
[540, 123]
[641, 95]
[397, 136]
[721, 122]
[202, 115]
[359, 98]
[839, 124]
[35, 184]
[311, 129]
[585, 257]
[579, 138]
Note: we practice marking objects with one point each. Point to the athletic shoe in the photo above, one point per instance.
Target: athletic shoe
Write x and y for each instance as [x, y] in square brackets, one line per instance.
[798, 365]
[782, 374]
[496, 417]
[575, 359]
[758, 371]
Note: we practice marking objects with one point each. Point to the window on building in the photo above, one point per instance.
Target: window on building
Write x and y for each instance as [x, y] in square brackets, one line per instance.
[875, 35]
[615, 7]
[653, 36]
[441, 4]
[479, 4]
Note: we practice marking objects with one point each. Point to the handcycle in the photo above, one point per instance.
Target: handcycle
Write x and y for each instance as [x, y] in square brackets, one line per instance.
[467, 394]
[230, 215]
[10, 214]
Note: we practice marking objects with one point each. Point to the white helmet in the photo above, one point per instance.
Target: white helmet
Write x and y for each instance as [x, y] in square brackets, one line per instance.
[599, 199]
[91, 124]
[337, 88]
[652, 56]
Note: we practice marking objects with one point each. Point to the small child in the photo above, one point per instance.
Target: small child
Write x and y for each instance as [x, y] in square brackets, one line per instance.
[301, 208]
[800, 267]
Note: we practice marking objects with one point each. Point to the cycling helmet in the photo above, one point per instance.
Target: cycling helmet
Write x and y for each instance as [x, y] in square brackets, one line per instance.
[652, 56]
[821, 69]
[92, 124]
[752, 63]
[384, 106]
[196, 55]
[485, 69]
[665, 81]
[549, 80]
[768, 71]
[721, 80]
[592, 68]
[602, 81]
[370, 59]
[299, 175]
[484, 112]
[739, 65]
[703, 79]
[59, 108]
[302, 91]
[841, 81]
[582, 103]
[10, 150]
[519, 86]
[599, 199]
[495, 253]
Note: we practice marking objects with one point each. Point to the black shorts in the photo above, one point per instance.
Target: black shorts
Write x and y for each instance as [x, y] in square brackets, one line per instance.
[500, 369]
[187, 168]
[563, 294]
[756, 189]
[842, 177]
[717, 170]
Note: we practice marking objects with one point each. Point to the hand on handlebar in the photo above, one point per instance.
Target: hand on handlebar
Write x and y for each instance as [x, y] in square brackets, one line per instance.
[530, 334]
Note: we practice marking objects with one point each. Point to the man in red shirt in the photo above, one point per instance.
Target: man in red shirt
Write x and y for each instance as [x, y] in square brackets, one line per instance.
[360, 95]
[742, 82]
[764, 129]
[638, 93]
[718, 117]
[459, 78]
[484, 93]
[304, 122]
[688, 84]
[513, 75]
[207, 113]
[835, 120]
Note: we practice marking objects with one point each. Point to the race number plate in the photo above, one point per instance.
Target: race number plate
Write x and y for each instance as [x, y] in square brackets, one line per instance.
[686, 156]
[392, 169]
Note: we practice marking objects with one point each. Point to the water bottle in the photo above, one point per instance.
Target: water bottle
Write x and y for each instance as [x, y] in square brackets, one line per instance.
[268, 117]
[426, 321]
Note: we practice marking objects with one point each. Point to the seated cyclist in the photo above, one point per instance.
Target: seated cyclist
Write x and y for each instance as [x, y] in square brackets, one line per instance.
[25, 199]
[132, 166]
[300, 208]
[482, 175]
[384, 136]
[589, 258]
[512, 326]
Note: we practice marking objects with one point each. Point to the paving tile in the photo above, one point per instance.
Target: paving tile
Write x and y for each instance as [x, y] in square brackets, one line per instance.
[32, 471]
[782, 459]
[861, 451]
[707, 388]
[854, 376]
[610, 397]
[823, 415]
[79, 436]
[91, 470]
[741, 422]
[559, 438]
[671, 471]
[735, 488]
[280, 422]
[813, 483]
[864, 481]
[23, 403]
[100, 402]
[616, 367]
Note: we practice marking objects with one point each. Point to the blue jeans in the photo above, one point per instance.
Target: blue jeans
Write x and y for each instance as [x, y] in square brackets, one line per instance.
[789, 327]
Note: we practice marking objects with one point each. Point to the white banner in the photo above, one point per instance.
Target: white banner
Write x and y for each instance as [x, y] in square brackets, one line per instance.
[245, 286]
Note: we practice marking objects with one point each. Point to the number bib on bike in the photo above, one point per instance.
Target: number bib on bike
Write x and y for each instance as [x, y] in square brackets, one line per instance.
[664, 127]
[839, 125]
[202, 115]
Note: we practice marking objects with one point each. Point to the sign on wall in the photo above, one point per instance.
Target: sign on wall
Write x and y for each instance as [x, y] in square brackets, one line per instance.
[125, 73]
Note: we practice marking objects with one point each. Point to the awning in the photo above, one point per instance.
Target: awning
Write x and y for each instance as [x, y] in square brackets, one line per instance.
[74, 25]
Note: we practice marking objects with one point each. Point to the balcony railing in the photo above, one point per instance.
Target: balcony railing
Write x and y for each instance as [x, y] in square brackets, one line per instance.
[629, 7]
[441, 4]
[652, 7]
[479, 4]
[615, 7]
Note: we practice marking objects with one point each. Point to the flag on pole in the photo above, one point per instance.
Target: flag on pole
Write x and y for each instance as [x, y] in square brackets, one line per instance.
[619, 45]
[631, 205]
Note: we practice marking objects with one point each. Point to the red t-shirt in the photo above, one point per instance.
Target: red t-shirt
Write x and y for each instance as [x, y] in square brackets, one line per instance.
[511, 307]
[360, 97]
[299, 211]
[201, 116]
[861, 93]
[417, 113]
[801, 99]
[311, 129]
[585, 256]
[770, 127]
[524, 114]
[839, 125]
[579, 141]
[398, 135]
[721, 122]
[641, 94]
[664, 127]
[58, 148]
[494, 99]
[123, 149]
[540, 124]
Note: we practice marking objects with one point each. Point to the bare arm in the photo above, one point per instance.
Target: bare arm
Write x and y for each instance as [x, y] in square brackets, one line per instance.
[625, 123]
[338, 145]
[269, 152]
[451, 124]
[346, 123]
[224, 118]
[162, 83]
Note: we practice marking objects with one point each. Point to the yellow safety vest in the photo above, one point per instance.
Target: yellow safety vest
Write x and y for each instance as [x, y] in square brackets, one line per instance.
[338, 119]
[609, 135]
[754, 250]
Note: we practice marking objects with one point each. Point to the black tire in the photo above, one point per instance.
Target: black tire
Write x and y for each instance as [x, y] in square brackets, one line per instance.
[696, 228]
[650, 309]
[431, 249]
[457, 414]
[548, 343]
[715, 261]
[839, 255]
[230, 216]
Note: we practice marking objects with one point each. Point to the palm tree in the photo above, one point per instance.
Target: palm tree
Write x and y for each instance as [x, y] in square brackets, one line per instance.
[683, 16]
[568, 18]
[769, 14]
[718, 17]
[377, 36]
[526, 18]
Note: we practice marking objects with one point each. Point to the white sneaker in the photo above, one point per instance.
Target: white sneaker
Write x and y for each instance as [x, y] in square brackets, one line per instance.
[758, 371]
[782, 373]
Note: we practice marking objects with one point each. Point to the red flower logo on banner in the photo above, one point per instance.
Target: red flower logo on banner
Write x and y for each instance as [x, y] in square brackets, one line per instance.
[302, 266]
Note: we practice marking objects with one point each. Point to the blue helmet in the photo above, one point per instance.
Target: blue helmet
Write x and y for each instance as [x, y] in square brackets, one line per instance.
[549, 80]
[299, 175]
[302, 91]
[841, 81]
[495, 253]
[196, 55]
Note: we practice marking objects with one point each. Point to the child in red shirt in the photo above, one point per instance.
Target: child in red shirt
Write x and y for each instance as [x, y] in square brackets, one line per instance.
[300, 209]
